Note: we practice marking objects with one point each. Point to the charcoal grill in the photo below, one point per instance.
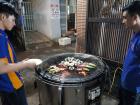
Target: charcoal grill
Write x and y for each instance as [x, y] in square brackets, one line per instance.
[72, 89]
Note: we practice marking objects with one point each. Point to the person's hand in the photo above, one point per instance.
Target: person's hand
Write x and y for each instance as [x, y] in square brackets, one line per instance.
[32, 63]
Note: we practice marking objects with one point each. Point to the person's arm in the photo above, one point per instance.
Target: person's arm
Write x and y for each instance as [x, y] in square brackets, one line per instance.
[5, 68]
[136, 47]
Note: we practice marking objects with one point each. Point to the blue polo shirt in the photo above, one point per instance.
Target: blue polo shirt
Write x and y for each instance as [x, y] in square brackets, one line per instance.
[130, 78]
[8, 81]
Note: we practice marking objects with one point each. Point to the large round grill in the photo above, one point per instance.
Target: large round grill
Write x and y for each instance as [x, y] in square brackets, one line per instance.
[71, 77]
[69, 86]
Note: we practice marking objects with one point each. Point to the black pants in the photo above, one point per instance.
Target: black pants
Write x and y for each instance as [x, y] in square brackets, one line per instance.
[15, 98]
[128, 98]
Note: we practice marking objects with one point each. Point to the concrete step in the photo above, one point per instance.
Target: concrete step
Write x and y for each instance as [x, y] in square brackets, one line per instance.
[36, 46]
[37, 40]
[33, 37]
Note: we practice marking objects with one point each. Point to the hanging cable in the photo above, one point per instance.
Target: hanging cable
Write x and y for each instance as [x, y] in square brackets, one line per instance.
[114, 76]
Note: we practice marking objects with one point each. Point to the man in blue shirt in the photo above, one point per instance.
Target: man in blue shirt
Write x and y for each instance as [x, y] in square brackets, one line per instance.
[11, 85]
[130, 78]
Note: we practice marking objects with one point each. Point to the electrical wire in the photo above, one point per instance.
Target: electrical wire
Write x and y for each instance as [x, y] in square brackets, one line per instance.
[114, 76]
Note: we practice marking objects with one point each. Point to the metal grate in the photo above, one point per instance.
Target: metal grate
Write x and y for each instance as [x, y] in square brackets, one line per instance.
[105, 35]
[28, 16]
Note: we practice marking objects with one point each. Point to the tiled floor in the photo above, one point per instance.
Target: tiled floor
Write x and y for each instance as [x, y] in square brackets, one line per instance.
[35, 37]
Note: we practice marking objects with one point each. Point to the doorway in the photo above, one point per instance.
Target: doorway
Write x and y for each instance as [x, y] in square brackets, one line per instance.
[71, 14]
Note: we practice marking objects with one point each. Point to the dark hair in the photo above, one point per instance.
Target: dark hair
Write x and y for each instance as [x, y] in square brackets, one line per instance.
[8, 8]
[133, 8]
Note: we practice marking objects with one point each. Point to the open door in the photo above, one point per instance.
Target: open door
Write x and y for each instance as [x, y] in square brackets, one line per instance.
[71, 15]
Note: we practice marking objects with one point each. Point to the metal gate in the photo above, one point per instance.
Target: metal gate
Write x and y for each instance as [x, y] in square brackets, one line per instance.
[28, 16]
[105, 35]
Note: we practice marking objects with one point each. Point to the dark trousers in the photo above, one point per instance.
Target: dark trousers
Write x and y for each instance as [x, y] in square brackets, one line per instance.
[15, 98]
[128, 98]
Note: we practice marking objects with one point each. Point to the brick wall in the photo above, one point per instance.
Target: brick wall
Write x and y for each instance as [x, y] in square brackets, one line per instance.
[81, 24]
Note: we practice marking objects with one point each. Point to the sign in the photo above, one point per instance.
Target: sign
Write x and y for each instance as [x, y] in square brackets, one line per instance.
[55, 11]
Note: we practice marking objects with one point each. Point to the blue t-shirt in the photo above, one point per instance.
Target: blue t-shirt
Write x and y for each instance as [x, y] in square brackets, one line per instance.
[8, 81]
[130, 78]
